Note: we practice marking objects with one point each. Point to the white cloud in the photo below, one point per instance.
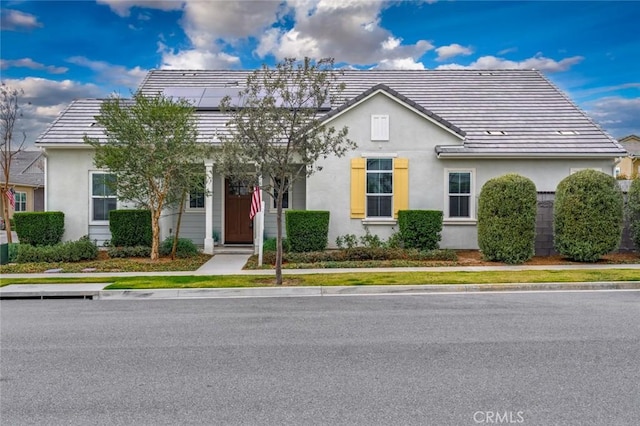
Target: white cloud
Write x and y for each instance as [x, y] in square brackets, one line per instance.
[446, 52]
[14, 20]
[615, 114]
[399, 64]
[30, 63]
[538, 62]
[44, 99]
[123, 7]
[347, 30]
[196, 59]
[115, 74]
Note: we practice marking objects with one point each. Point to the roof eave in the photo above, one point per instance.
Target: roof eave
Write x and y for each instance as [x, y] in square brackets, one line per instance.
[524, 155]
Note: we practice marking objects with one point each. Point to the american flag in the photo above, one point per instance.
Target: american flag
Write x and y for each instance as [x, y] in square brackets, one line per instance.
[11, 195]
[256, 202]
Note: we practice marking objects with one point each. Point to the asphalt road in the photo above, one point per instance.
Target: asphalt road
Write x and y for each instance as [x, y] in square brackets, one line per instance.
[532, 359]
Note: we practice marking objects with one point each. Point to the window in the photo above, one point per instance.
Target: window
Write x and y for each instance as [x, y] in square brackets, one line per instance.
[286, 196]
[379, 187]
[196, 196]
[459, 194]
[21, 201]
[103, 196]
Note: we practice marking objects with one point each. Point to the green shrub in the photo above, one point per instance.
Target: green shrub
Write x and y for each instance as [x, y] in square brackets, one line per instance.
[307, 230]
[271, 244]
[186, 247]
[356, 254]
[70, 251]
[587, 216]
[420, 229]
[633, 212]
[507, 219]
[13, 251]
[346, 241]
[39, 228]
[130, 228]
[124, 252]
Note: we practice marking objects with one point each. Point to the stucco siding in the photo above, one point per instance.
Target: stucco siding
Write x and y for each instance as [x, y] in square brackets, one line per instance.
[68, 189]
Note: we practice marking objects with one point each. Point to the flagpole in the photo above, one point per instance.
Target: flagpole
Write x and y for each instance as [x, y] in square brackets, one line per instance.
[260, 224]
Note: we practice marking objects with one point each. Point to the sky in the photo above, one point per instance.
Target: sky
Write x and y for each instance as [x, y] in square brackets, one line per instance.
[57, 51]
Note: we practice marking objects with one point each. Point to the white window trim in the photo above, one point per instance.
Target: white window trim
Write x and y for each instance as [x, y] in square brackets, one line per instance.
[272, 200]
[472, 219]
[375, 219]
[91, 221]
[25, 201]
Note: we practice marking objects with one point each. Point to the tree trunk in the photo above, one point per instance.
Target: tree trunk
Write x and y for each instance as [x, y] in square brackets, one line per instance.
[155, 232]
[174, 249]
[7, 221]
[279, 238]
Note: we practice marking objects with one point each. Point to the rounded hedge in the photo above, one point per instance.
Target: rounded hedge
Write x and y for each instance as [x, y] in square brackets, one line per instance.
[507, 219]
[633, 212]
[186, 247]
[587, 216]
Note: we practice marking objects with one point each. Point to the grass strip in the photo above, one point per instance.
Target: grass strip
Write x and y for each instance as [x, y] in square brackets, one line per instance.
[346, 279]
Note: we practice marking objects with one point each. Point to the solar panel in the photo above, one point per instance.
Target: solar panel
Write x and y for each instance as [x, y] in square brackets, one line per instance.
[189, 94]
[212, 96]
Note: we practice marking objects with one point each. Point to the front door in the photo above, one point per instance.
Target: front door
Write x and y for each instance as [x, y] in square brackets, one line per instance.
[238, 228]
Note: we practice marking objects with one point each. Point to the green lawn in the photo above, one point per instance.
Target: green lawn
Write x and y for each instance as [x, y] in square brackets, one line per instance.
[336, 279]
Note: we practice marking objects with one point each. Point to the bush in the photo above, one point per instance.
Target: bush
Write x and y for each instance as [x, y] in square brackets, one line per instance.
[633, 212]
[70, 251]
[186, 247]
[307, 230]
[39, 228]
[124, 252]
[507, 219]
[587, 216]
[13, 251]
[271, 244]
[130, 228]
[420, 229]
[356, 254]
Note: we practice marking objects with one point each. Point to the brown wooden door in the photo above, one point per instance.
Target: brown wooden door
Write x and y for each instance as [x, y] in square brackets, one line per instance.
[238, 228]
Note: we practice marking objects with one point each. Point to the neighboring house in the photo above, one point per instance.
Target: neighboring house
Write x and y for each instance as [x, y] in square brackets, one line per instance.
[426, 140]
[26, 177]
[629, 166]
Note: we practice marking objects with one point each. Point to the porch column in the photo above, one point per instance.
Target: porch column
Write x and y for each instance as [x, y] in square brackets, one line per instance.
[208, 208]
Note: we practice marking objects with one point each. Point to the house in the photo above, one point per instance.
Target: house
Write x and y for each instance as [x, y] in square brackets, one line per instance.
[629, 166]
[26, 177]
[426, 139]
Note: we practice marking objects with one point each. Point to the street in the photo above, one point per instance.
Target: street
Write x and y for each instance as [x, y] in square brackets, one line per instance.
[465, 359]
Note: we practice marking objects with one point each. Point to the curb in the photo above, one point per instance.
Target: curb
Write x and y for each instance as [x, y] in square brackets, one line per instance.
[389, 290]
[95, 291]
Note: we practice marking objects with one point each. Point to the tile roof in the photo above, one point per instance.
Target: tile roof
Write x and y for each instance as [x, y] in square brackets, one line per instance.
[500, 112]
[26, 170]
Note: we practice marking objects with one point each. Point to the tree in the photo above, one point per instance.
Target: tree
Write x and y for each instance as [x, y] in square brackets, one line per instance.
[151, 147]
[633, 212]
[9, 114]
[275, 125]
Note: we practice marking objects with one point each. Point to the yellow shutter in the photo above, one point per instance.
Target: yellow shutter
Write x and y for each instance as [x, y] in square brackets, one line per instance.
[400, 185]
[357, 188]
